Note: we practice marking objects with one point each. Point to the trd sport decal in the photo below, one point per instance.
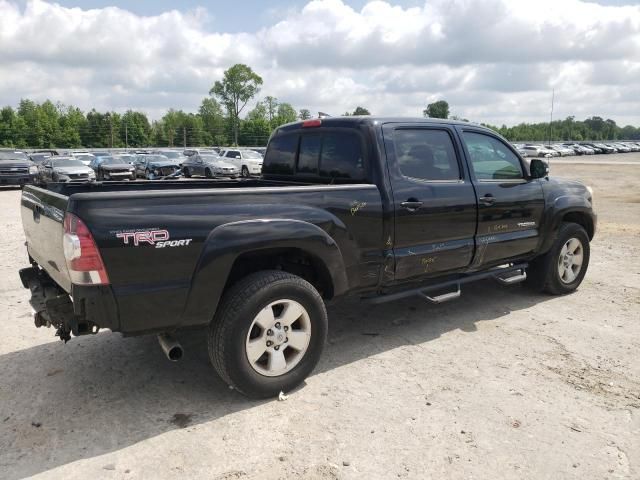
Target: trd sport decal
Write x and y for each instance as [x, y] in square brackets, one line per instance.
[157, 238]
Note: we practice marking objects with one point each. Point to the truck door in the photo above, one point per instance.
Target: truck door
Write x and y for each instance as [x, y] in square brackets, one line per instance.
[434, 201]
[510, 204]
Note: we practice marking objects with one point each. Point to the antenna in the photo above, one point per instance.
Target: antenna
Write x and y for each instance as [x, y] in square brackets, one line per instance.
[553, 94]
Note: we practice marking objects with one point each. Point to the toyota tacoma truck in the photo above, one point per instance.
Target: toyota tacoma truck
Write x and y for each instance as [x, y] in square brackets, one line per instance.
[378, 208]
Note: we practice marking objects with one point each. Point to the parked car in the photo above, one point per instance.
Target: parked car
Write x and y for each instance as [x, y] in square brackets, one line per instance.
[604, 148]
[581, 149]
[64, 169]
[126, 157]
[112, 168]
[84, 157]
[208, 165]
[539, 151]
[622, 147]
[152, 167]
[16, 168]
[38, 158]
[340, 210]
[562, 150]
[591, 146]
[248, 161]
[177, 157]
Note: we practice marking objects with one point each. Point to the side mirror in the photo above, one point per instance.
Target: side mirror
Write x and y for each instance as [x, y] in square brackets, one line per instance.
[538, 168]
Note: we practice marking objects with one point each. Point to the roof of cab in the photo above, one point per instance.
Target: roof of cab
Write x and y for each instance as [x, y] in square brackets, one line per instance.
[353, 121]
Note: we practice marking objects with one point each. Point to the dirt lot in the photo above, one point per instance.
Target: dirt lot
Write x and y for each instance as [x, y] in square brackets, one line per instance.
[500, 384]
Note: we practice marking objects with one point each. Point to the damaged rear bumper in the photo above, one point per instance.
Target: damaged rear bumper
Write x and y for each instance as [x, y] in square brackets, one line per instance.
[85, 311]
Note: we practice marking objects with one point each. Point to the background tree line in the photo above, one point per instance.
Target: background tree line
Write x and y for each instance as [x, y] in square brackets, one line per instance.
[221, 120]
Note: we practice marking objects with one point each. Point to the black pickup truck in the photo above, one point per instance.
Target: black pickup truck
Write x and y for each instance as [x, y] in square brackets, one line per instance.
[380, 208]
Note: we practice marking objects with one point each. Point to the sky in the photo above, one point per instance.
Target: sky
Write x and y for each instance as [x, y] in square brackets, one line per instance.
[494, 61]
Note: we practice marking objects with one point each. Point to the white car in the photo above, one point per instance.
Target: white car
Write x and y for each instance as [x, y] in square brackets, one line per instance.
[540, 151]
[248, 161]
[563, 150]
[85, 157]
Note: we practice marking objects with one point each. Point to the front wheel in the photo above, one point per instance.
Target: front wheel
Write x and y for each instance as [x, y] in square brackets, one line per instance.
[208, 173]
[268, 333]
[186, 172]
[562, 269]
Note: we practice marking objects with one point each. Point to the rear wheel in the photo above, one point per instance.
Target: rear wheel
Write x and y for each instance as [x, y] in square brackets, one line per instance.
[208, 174]
[268, 333]
[562, 269]
[186, 172]
[245, 171]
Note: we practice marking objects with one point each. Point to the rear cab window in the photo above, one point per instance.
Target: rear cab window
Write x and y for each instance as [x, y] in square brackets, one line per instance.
[326, 155]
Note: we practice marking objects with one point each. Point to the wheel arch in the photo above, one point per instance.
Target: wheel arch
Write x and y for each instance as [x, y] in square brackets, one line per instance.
[237, 249]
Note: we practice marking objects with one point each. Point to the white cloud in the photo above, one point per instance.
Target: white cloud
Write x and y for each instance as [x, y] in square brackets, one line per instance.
[493, 60]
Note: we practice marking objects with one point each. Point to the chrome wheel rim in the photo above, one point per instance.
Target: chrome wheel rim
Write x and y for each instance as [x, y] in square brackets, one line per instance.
[278, 338]
[570, 260]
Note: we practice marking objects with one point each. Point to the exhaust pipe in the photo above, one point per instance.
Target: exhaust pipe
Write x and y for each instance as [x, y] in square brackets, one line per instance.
[170, 346]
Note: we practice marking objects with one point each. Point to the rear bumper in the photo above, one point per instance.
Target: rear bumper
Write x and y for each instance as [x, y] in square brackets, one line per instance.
[22, 179]
[86, 310]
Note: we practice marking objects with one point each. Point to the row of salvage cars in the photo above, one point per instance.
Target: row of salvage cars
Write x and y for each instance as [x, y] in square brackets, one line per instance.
[144, 164]
[572, 148]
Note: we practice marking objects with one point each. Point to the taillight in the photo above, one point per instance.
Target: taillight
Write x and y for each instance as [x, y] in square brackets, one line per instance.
[83, 258]
[316, 122]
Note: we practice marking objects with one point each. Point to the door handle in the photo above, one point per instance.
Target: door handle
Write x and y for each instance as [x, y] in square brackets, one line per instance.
[487, 199]
[411, 205]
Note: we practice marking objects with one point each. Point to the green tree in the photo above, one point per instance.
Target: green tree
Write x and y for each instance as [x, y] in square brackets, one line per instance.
[439, 109]
[286, 114]
[271, 107]
[213, 121]
[304, 114]
[135, 129]
[239, 85]
[361, 111]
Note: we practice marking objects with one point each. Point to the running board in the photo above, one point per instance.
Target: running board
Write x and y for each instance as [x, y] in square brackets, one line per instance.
[520, 276]
[509, 275]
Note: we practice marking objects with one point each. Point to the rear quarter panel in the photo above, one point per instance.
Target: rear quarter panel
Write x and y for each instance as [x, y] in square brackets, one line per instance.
[152, 284]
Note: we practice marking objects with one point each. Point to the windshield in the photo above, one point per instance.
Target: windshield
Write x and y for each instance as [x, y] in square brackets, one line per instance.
[252, 154]
[173, 155]
[67, 162]
[110, 161]
[13, 156]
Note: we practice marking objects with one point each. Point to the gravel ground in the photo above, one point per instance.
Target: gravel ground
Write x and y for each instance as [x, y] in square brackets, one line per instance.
[500, 384]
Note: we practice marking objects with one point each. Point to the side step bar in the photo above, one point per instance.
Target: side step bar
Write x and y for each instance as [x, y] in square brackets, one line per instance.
[505, 275]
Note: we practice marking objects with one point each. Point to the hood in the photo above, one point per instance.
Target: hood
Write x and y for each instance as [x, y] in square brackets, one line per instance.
[163, 163]
[222, 164]
[16, 163]
[115, 166]
[72, 170]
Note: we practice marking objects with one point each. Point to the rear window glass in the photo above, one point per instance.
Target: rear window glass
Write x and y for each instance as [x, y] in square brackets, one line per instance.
[341, 156]
[309, 154]
[281, 155]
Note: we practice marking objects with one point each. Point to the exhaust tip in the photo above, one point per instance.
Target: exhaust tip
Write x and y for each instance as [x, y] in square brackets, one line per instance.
[170, 346]
[175, 354]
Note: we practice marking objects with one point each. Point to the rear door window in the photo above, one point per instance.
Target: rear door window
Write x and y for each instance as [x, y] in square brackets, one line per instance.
[426, 154]
[281, 155]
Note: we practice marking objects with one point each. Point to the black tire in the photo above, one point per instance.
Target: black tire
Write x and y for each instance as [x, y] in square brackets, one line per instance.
[186, 172]
[147, 173]
[229, 329]
[245, 171]
[543, 274]
[208, 174]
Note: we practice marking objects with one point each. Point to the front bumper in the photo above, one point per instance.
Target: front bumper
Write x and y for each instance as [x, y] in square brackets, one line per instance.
[21, 179]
